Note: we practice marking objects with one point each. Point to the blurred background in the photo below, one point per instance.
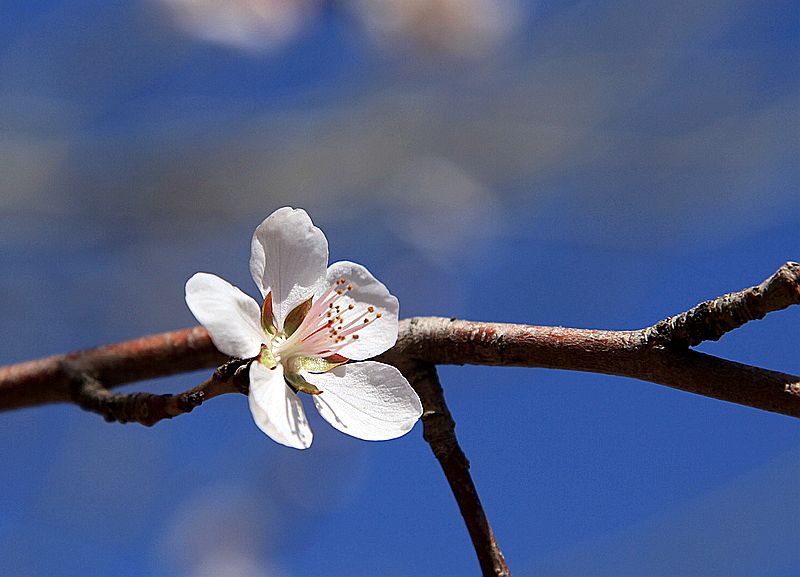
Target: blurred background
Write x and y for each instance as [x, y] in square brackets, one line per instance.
[589, 164]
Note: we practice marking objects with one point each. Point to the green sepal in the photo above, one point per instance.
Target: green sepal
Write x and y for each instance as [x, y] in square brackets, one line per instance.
[266, 358]
[320, 364]
[295, 318]
[298, 383]
[267, 318]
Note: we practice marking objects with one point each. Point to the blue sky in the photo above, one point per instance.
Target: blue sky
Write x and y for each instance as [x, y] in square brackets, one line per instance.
[592, 165]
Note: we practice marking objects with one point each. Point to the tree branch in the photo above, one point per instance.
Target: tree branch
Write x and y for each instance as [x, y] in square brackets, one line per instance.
[621, 353]
[439, 432]
[48, 380]
[657, 354]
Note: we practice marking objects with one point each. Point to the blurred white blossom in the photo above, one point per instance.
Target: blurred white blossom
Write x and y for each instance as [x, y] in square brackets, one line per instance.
[462, 28]
[440, 209]
[218, 531]
[257, 25]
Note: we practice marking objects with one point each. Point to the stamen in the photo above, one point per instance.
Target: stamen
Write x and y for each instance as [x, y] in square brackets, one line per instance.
[329, 322]
[356, 322]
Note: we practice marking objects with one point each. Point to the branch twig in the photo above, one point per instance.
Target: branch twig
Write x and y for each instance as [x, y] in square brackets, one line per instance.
[147, 408]
[439, 432]
[709, 320]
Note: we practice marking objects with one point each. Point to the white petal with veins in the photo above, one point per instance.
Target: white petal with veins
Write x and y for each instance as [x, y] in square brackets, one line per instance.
[288, 257]
[276, 409]
[367, 400]
[230, 316]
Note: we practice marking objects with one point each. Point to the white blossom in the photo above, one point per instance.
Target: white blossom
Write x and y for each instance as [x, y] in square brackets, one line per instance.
[314, 320]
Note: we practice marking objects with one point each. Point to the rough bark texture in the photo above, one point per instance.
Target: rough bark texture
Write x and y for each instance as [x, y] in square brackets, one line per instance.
[148, 409]
[49, 380]
[709, 320]
[622, 353]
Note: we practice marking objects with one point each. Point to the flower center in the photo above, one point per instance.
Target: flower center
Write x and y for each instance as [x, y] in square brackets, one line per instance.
[333, 320]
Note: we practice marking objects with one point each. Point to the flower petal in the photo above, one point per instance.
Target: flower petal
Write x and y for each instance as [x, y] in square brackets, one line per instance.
[276, 409]
[367, 400]
[231, 317]
[379, 334]
[288, 256]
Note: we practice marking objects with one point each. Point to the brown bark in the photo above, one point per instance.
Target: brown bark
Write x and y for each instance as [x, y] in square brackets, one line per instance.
[622, 353]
